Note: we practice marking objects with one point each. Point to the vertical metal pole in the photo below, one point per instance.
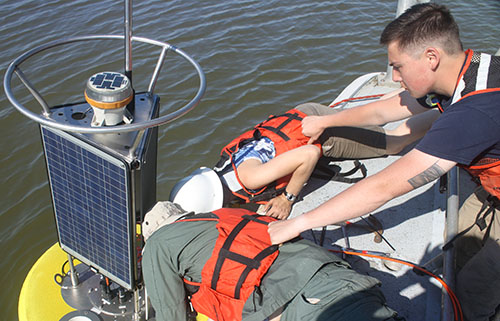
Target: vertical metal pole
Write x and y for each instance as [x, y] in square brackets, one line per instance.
[131, 106]
[128, 38]
[128, 49]
[146, 303]
[72, 273]
[137, 306]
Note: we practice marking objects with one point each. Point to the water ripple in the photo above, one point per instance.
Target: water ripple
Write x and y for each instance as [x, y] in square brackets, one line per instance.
[259, 58]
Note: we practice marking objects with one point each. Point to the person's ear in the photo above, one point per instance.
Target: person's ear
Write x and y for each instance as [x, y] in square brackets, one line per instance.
[433, 57]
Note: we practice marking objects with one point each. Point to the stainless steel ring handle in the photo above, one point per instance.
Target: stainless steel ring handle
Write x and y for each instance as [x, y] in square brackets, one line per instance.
[44, 117]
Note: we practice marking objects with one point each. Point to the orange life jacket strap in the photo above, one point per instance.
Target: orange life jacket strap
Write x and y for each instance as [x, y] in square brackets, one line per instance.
[226, 254]
[258, 258]
[290, 115]
[284, 130]
[487, 170]
[191, 282]
[235, 284]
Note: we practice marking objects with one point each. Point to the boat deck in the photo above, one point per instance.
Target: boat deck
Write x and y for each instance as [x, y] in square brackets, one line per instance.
[413, 224]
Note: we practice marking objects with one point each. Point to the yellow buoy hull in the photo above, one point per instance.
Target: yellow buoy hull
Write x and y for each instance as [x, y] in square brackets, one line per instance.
[40, 298]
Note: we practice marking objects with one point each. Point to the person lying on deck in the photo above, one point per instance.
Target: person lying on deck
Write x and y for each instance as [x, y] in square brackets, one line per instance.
[211, 262]
[270, 163]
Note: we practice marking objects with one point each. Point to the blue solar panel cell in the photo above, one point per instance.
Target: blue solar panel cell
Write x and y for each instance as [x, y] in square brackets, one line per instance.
[91, 204]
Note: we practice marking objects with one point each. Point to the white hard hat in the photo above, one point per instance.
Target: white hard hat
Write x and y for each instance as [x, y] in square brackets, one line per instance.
[199, 192]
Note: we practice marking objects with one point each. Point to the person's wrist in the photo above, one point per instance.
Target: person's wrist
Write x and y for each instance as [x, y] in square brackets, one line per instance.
[310, 220]
[284, 199]
[294, 226]
[326, 122]
[289, 196]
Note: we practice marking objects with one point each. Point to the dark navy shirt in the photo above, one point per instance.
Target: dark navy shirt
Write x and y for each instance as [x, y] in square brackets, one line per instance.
[466, 131]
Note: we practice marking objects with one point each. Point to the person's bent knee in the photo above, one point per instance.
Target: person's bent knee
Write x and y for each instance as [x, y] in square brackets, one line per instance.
[309, 157]
[395, 144]
[313, 153]
[315, 109]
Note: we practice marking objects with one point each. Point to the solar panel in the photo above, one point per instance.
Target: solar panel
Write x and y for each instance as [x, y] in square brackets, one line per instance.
[91, 198]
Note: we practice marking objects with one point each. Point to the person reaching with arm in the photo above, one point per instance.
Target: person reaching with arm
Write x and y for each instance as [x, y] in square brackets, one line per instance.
[426, 54]
[270, 163]
[221, 264]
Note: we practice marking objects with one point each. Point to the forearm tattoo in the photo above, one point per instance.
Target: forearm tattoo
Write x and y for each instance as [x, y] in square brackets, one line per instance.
[430, 174]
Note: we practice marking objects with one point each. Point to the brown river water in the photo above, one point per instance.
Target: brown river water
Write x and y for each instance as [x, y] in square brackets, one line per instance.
[259, 57]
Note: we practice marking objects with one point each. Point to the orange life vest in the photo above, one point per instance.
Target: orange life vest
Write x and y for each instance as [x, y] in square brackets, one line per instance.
[285, 131]
[242, 255]
[484, 67]
[487, 170]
